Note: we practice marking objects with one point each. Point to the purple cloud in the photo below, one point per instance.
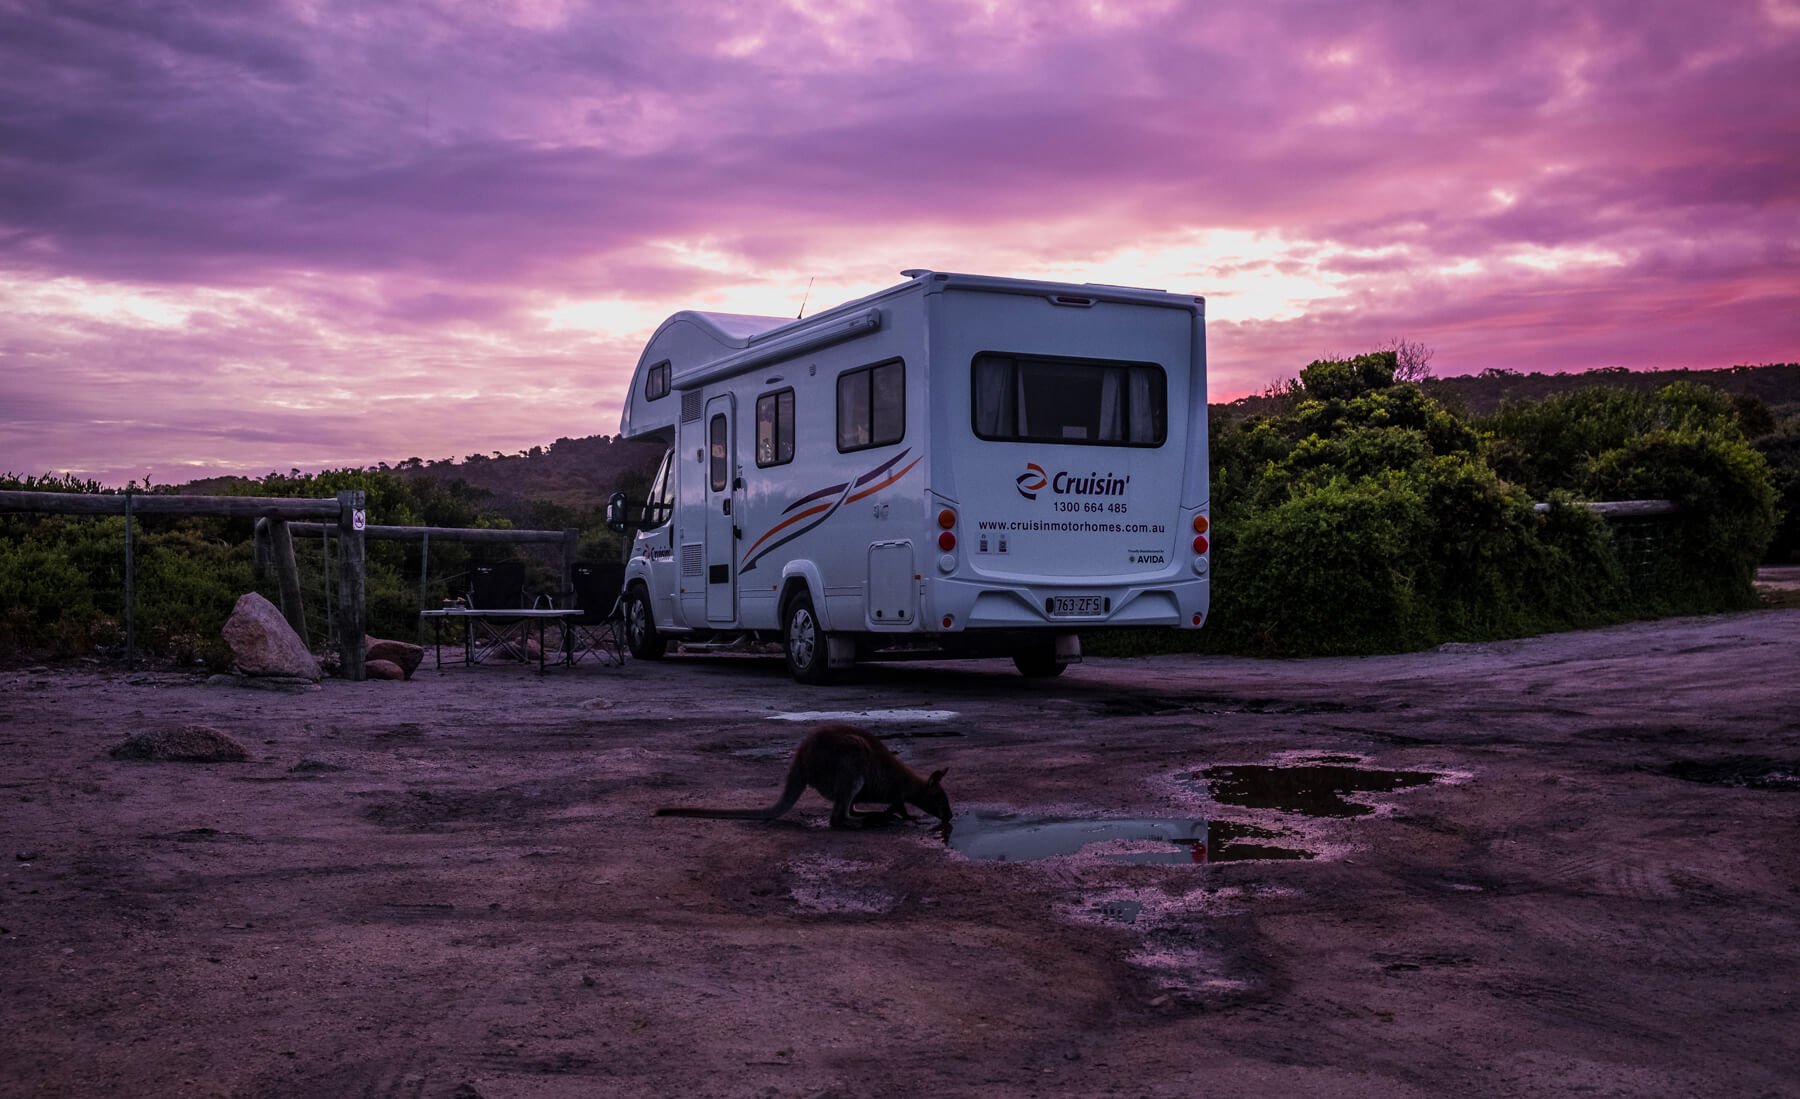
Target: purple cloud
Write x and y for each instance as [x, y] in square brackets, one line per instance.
[248, 225]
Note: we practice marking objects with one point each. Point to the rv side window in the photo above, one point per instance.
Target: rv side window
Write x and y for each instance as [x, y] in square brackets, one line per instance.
[718, 436]
[1038, 399]
[656, 381]
[775, 428]
[871, 406]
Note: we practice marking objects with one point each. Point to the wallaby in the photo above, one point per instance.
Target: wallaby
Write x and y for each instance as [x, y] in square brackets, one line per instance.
[847, 765]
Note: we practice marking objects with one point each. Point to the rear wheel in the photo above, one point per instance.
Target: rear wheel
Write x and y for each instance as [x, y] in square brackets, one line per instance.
[640, 628]
[804, 642]
[1038, 663]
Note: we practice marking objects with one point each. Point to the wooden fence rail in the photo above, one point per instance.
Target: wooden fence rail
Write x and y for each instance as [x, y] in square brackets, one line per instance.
[348, 509]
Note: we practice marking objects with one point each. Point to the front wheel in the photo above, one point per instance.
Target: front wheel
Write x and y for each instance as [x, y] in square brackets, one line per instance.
[640, 628]
[804, 642]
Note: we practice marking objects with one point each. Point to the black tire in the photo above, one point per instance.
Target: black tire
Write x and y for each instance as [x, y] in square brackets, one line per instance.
[803, 642]
[1038, 663]
[640, 628]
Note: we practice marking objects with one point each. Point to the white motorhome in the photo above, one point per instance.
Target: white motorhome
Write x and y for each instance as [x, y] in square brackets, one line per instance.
[957, 465]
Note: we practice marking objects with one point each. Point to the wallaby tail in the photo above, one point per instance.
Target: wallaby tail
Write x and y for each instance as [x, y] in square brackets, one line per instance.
[790, 793]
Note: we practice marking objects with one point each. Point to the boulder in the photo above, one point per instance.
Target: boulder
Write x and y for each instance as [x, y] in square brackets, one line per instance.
[262, 643]
[405, 654]
[383, 669]
[188, 744]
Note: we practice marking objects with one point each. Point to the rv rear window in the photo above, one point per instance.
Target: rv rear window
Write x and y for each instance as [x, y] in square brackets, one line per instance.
[1038, 399]
[656, 381]
[871, 406]
[775, 428]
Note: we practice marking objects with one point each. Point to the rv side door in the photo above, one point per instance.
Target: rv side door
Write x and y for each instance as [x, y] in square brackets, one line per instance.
[722, 506]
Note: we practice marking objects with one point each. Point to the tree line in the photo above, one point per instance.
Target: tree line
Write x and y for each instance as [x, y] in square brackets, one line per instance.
[1359, 507]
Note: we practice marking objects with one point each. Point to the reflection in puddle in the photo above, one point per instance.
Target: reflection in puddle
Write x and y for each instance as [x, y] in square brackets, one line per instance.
[1006, 838]
[1320, 789]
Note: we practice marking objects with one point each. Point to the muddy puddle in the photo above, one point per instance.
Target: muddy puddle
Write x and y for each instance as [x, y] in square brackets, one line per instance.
[1315, 788]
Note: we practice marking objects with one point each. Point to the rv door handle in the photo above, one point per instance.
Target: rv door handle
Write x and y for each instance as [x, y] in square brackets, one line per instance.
[727, 505]
[738, 533]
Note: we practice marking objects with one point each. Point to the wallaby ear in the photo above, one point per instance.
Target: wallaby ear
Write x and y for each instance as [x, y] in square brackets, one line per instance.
[937, 776]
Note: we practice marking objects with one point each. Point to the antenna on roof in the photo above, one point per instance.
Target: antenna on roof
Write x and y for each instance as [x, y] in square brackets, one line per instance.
[803, 297]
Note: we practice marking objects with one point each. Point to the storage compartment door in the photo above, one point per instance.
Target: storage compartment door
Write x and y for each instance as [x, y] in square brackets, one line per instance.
[893, 592]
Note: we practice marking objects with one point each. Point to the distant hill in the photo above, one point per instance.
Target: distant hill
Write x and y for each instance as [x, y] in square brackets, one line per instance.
[578, 475]
[1776, 385]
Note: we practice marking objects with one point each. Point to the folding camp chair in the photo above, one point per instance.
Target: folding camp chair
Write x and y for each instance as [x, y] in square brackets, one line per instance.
[599, 630]
[496, 588]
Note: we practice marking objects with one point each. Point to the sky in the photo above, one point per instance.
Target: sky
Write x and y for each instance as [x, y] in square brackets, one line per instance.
[263, 235]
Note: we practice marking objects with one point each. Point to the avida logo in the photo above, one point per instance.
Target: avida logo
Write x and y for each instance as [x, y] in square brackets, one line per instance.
[1031, 480]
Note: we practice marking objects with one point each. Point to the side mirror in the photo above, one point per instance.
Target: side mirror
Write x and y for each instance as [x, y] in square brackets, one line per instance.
[615, 513]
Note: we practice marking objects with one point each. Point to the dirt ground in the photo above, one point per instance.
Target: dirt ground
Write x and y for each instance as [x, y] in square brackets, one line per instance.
[454, 886]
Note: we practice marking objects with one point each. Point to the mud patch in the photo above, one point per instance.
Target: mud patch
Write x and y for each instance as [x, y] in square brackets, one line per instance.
[1161, 705]
[533, 803]
[863, 717]
[823, 884]
[1742, 772]
[997, 837]
[1323, 787]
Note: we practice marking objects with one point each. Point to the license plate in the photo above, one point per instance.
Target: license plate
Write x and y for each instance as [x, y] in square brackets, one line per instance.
[1074, 606]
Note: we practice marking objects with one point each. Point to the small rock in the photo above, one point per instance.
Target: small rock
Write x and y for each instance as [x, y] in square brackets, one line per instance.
[383, 669]
[26, 856]
[309, 765]
[404, 654]
[188, 744]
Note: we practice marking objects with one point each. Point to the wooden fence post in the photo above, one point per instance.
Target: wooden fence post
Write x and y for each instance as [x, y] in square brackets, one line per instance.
[352, 593]
[130, 590]
[424, 579]
[287, 574]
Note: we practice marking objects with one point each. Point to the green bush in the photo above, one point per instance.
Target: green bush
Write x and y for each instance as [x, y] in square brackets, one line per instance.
[1363, 516]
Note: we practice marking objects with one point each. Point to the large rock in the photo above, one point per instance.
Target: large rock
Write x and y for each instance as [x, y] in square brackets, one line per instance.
[404, 654]
[262, 643]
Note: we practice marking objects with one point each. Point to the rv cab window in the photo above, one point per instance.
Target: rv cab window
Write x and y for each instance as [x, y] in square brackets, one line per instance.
[661, 502]
[1031, 398]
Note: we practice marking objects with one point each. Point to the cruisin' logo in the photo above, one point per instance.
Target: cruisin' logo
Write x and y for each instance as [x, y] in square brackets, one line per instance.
[1031, 480]
[1063, 483]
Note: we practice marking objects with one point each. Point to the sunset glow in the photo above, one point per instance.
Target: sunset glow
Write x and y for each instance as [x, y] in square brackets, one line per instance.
[310, 234]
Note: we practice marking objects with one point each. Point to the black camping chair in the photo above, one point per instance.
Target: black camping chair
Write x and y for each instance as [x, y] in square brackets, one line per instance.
[599, 630]
[496, 588]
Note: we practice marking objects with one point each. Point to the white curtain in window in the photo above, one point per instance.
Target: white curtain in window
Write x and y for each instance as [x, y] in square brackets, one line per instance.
[993, 397]
[1143, 415]
[1111, 415]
